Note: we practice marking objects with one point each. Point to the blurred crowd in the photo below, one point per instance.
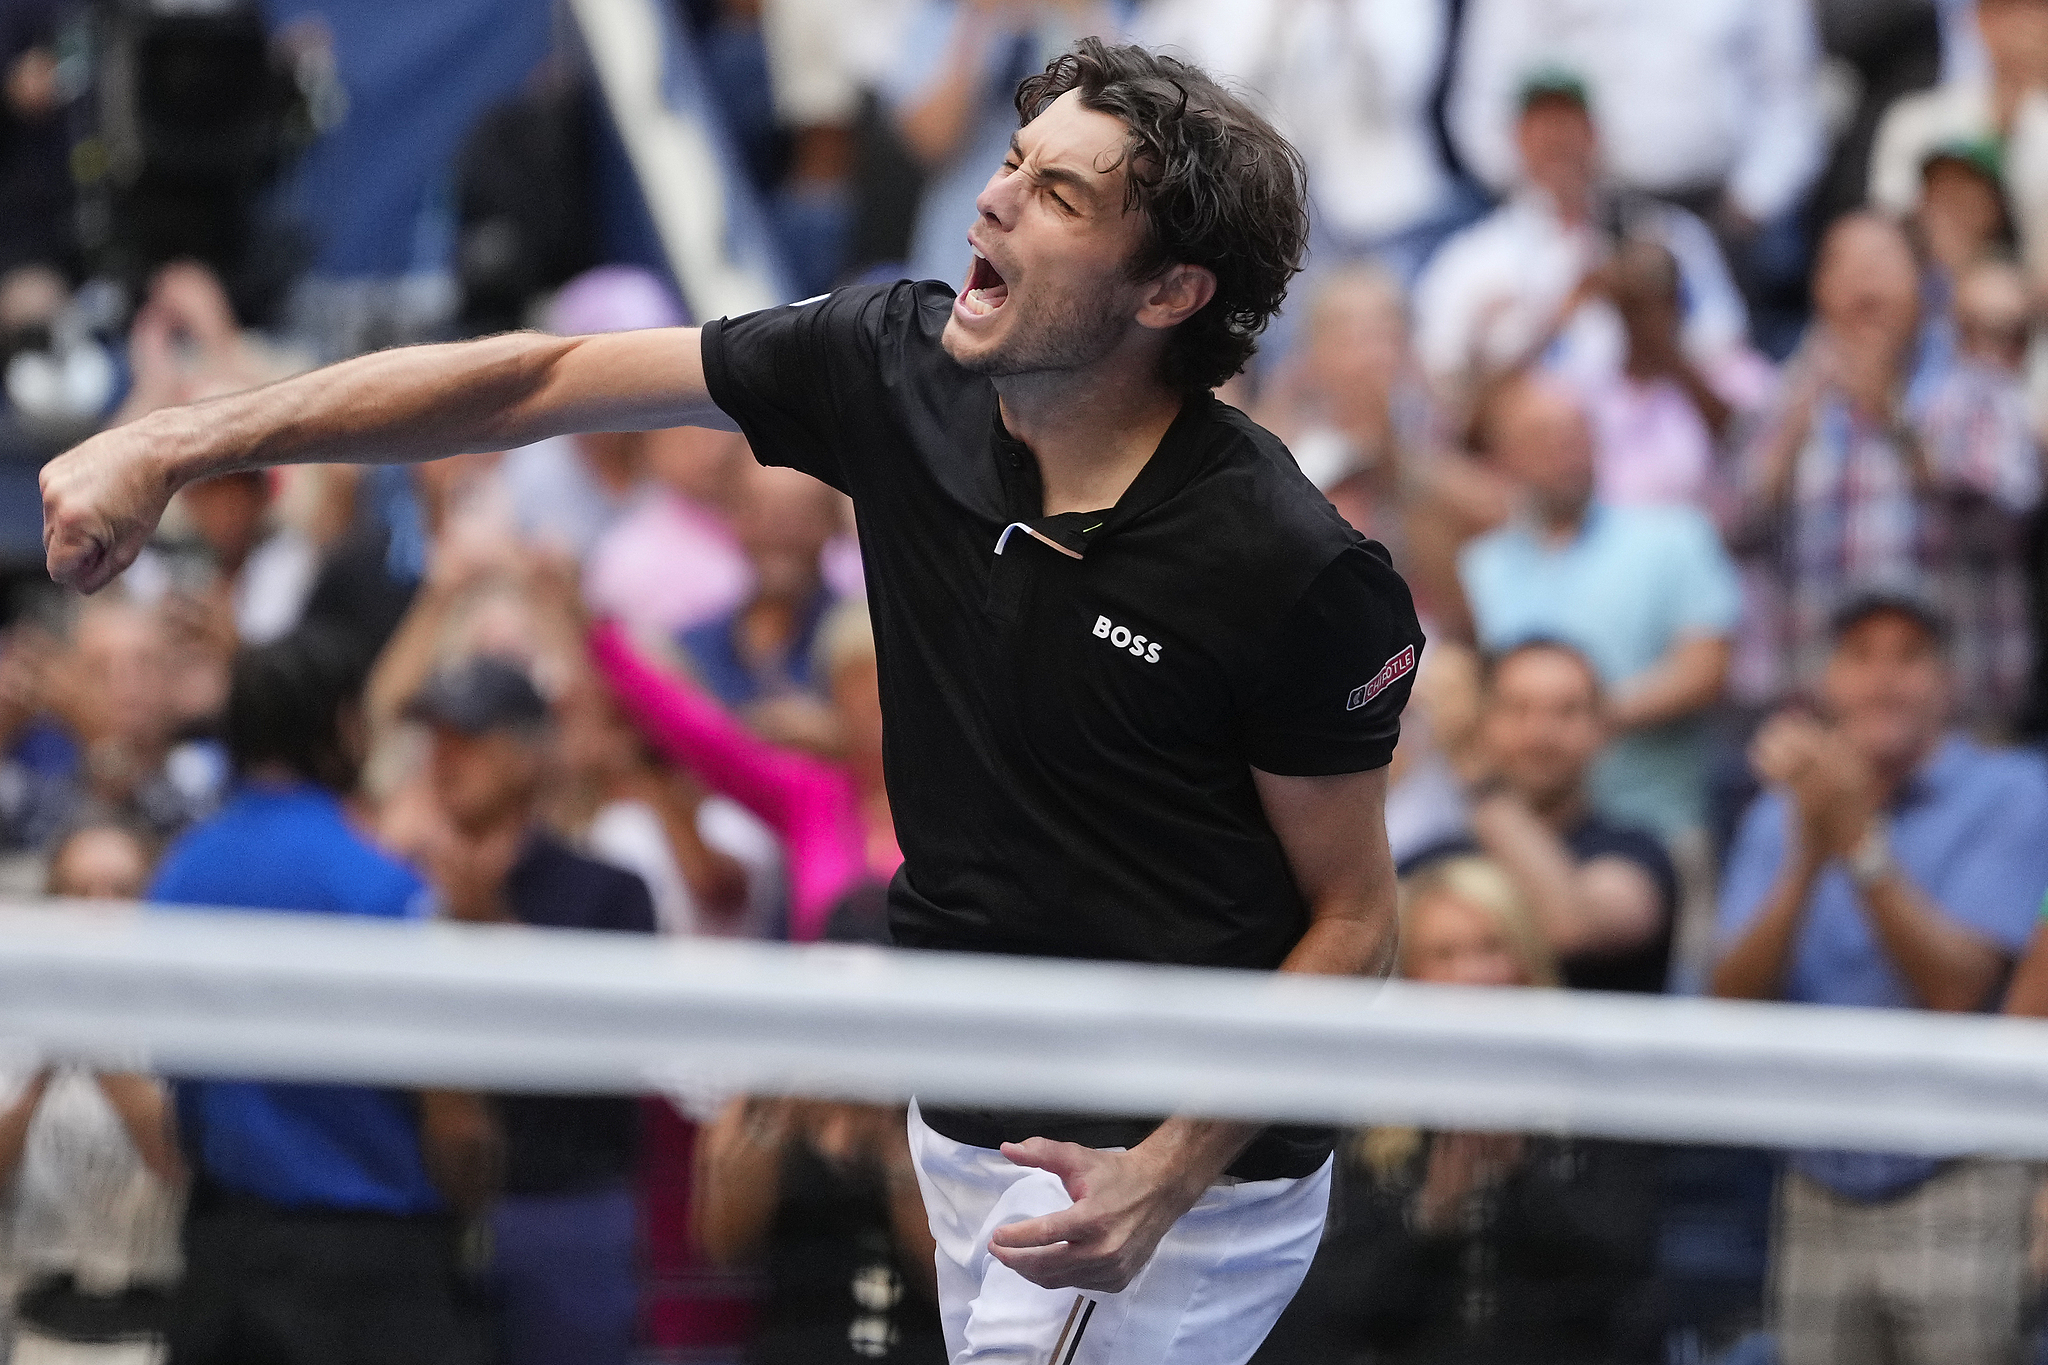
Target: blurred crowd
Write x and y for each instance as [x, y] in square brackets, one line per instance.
[1690, 360]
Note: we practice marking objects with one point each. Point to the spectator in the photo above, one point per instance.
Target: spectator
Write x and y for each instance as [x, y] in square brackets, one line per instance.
[761, 653]
[639, 814]
[1884, 466]
[824, 57]
[1961, 215]
[1713, 106]
[1425, 800]
[1354, 87]
[1891, 864]
[832, 818]
[1457, 1248]
[1992, 322]
[1524, 284]
[1604, 895]
[185, 345]
[671, 561]
[953, 94]
[1646, 592]
[92, 1174]
[116, 688]
[35, 146]
[320, 1220]
[1361, 423]
[1665, 418]
[823, 1196]
[563, 1230]
[254, 574]
[2008, 107]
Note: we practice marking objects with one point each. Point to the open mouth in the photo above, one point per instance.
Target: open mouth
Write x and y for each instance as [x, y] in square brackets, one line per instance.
[985, 291]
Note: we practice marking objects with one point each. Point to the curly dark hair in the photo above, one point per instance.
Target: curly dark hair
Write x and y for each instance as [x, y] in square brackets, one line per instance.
[1217, 185]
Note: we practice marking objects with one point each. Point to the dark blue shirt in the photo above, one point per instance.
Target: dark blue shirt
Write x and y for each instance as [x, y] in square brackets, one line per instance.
[715, 652]
[570, 1144]
[298, 1146]
[1968, 829]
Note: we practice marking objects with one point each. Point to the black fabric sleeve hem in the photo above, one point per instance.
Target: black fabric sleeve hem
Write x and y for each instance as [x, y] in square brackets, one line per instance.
[1361, 760]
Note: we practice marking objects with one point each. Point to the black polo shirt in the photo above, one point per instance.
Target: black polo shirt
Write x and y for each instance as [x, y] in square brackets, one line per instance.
[1073, 704]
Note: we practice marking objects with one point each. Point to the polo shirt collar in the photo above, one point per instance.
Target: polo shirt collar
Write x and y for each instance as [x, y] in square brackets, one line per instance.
[1172, 465]
[1533, 532]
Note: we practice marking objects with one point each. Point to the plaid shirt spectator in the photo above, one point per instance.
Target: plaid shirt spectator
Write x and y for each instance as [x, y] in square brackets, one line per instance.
[1935, 502]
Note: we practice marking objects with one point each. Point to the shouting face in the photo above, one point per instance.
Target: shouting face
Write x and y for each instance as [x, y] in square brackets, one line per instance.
[1048, 287]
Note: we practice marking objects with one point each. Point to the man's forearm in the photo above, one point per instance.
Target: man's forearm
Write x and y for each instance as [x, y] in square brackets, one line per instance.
[1689, 678]
[1197, 1151]
[391, 407]
[1754, 967]
[1948, 967]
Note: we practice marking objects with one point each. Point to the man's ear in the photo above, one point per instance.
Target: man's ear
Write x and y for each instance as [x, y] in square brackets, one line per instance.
[1177, 294]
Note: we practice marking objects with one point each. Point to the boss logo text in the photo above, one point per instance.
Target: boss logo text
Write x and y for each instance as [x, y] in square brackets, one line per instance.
[1121, 637]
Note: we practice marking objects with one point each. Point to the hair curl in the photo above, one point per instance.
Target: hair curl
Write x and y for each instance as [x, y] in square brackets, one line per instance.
[1217, 185]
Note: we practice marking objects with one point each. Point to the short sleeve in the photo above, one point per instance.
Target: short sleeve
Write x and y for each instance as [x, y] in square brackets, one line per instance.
[789, 375]
[1332, 694]
[1709, 592]
[1997, 889]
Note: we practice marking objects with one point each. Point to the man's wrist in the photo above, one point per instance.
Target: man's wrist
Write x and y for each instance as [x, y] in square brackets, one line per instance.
[1871, 861]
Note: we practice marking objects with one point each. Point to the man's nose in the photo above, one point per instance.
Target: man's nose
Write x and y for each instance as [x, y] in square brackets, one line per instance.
[998, 200]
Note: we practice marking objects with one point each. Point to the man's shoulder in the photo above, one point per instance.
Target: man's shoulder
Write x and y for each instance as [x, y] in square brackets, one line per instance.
[552, 871]
[1270, 519]
[295, 852]
[1992, 776]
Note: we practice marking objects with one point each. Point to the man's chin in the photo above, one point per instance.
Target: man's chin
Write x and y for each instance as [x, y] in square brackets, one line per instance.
[979, 354]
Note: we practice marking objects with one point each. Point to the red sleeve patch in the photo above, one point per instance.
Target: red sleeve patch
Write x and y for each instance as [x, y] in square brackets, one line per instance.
[1398, 666]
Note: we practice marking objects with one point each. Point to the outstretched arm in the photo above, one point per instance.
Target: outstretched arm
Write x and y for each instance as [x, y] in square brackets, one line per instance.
[102, 499]
[1334, 832]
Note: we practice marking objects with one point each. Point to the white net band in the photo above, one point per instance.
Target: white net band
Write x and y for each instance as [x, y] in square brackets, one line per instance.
[514, 1009]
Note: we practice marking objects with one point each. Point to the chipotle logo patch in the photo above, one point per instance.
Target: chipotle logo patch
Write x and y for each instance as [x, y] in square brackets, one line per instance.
[1397, 667]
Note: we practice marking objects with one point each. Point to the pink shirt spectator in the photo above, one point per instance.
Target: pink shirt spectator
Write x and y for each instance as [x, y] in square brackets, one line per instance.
[668, 564]
[1653, 445]
[812, 805]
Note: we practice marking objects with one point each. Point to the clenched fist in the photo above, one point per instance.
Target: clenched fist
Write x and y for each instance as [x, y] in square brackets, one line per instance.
[101, 501]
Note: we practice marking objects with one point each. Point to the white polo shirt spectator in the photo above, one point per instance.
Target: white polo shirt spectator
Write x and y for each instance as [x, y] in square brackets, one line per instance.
[1705, 95]
[1350, 82]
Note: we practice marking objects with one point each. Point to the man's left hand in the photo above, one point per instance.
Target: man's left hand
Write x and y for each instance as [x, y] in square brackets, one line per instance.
[1124, 1202]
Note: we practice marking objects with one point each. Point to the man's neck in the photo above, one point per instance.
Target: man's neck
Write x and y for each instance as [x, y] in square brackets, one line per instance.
[1560, 522]
[1091, 431]
[1562, 811]
[1574, 210]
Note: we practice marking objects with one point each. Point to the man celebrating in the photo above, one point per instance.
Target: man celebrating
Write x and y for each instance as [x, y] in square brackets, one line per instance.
[1893, 864]
[1139, 681]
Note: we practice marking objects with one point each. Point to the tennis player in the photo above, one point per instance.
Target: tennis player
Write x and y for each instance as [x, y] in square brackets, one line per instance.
[1140, 683]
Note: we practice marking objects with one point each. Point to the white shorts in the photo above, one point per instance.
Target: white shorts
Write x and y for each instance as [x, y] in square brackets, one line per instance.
[1209, 1295]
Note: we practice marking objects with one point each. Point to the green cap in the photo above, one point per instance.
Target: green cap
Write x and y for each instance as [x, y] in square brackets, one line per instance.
[1553, 82]
[1983, 155]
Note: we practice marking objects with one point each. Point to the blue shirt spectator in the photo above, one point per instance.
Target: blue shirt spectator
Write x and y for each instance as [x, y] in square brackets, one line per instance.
[298, 1146]
[1967, 828]
[1629, 586]
[1889, 865]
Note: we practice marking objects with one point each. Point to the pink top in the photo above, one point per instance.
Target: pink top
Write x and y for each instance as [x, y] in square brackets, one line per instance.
[665, 565]
[1654, 447]
[812, 805]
